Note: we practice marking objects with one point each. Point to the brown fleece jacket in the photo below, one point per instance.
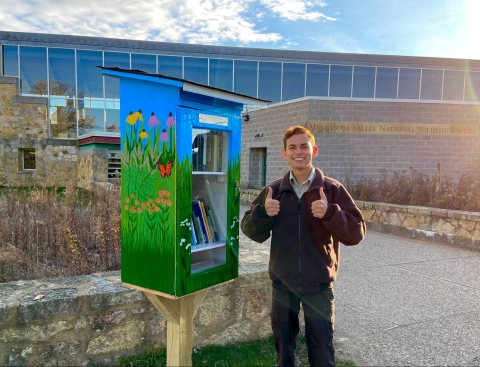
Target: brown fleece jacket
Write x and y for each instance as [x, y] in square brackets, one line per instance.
[305, 253]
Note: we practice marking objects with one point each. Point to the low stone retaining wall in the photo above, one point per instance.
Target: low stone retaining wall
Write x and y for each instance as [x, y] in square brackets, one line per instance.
[94, 319]
[440, 225]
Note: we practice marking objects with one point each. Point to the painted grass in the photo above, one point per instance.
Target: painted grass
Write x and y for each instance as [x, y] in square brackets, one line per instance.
[258, 353]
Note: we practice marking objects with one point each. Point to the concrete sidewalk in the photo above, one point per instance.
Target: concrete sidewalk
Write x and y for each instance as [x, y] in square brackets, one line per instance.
[402, 302]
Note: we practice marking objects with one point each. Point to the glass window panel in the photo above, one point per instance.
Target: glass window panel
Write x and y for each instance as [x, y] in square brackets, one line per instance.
[340, 81]
[115, 59]
[112, 110]
[33, 70]
[61, 71]
[170, 65]
[90, 116]
[317, 80]
[28, 161]
[89, 77]
[453, 85]
[363, 82]
[409, 84]
[270, 76]
[196, 69]
[472, 86]
[221, 73]
[245, 77]
[63, 118]
[431, 87]
[293, 81]
[10, 60]
[145, 62]
[387, 79]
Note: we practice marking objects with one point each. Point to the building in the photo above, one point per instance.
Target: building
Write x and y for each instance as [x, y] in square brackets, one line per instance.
[81, 107]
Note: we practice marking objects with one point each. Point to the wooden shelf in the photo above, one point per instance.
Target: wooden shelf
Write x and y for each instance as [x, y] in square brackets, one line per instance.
[207, 246]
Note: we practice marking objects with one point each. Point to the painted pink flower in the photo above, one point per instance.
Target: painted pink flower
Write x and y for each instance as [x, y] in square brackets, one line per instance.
[144, 205]
[153, 120]
[132, 209]
[157, 209]
[170, 120]
[125, 207]
[169, 203]
[164, 135]
[167, 193]
[127, 200]
[137, 202]
[150, 209]
[140, 210]
[132, 195]
[158, 200]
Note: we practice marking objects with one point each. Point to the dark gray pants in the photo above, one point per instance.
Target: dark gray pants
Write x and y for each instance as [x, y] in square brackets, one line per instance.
[318, 309]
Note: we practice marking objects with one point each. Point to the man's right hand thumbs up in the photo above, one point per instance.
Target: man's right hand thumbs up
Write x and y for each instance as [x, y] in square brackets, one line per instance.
[272, 206]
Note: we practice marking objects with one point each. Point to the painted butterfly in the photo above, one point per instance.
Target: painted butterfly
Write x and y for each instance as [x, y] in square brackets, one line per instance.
[165, 170]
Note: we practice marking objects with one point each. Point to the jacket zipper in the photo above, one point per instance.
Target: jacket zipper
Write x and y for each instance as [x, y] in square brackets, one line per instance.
[299, 252]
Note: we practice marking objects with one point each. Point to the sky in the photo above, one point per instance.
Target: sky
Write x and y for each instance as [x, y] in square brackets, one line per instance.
[437, 28]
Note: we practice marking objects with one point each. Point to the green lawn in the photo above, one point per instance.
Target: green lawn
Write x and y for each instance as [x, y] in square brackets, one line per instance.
[259, 353]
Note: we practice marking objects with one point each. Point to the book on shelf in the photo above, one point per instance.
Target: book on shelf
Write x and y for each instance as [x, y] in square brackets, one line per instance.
[198, 214]
[194, 235]
[198, 229]
[205, 218]
[211, 220]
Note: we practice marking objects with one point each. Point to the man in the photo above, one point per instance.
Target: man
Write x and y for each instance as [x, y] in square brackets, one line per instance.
[307, 214]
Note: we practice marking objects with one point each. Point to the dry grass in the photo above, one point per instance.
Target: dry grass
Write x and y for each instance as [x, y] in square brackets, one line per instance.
[46, 234]
[417, 189]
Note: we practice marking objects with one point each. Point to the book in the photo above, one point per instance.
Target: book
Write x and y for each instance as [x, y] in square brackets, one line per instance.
[197, 210]
[194, 235]
[198, 230]
[213, 225]
[205, 218]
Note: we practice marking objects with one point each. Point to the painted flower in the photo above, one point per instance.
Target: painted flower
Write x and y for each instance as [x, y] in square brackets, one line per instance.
[144, 205]
[164, 135]
[132, 195]
[170, 120]
[140, 210]
[137, 202]
[127, 200]
[158, 200]
[138, 115]
[153, 120]
[131, 118]
[143, 134]
[125, 207]
[150, 209]
[167, 194]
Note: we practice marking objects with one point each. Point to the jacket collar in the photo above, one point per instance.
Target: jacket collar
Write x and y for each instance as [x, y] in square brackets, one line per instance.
[318, 181]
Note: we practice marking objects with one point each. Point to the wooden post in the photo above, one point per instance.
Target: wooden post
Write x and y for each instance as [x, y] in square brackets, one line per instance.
[179, 313]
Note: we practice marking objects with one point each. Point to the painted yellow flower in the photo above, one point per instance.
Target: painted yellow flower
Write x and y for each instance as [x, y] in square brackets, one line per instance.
[131, 118]
[139, 115]
[143, 134]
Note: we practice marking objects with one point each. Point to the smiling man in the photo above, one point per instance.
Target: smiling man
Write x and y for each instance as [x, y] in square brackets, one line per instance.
[307, 215]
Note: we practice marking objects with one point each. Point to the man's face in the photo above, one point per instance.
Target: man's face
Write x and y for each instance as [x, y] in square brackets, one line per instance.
[299, 151]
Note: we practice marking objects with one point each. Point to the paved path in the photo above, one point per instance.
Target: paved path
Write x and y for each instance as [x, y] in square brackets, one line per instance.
[402, 302]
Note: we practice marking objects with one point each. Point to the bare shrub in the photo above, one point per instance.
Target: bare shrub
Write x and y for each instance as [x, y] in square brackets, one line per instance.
[417, 189]
[49, 233]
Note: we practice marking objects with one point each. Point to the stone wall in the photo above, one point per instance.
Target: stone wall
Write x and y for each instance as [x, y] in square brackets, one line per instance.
[447, 226]
[92, 167]
[94, 319]
[440, 225]
[364, 154]
[23, 125]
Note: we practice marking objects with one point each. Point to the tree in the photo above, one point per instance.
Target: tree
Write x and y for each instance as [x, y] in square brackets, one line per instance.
[64, 119]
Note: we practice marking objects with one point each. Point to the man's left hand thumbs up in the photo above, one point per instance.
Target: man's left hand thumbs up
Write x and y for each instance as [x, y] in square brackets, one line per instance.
[319, 207]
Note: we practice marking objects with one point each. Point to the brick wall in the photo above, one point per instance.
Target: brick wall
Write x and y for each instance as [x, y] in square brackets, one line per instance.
[363, 155]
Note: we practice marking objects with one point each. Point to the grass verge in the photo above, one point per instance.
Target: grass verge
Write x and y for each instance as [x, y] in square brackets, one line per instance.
[258, 353]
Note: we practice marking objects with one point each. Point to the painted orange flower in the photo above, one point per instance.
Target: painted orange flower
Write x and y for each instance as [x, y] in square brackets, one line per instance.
[125, 207]
[127, 200]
